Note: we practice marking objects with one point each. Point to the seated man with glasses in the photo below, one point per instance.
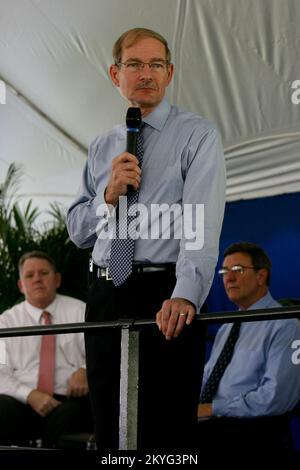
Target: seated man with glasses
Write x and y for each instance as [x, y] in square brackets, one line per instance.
[250, 380]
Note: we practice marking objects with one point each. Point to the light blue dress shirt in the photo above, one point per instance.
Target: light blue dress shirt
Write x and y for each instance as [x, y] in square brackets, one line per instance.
[183, 164]
[261, 378]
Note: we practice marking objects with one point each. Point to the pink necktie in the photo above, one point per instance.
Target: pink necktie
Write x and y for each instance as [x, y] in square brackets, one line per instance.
[47, 359]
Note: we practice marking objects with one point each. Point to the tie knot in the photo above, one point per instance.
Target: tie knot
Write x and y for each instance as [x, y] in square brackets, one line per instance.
[46, 318]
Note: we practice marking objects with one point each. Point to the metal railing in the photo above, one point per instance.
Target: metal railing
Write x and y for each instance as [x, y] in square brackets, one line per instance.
[130, 353]
[216, 317]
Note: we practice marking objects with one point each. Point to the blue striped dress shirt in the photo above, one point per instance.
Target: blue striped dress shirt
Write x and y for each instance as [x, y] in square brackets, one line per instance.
[183, 164]
[262, 378]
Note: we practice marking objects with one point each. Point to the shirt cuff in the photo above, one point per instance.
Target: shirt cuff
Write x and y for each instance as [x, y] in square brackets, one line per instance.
[101, 208]
[222, 407]
[187, 289]
[22, 393]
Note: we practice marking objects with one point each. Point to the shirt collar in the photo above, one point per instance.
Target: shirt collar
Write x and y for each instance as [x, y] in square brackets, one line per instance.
[158, 117]
[264, 302]
[35, 312]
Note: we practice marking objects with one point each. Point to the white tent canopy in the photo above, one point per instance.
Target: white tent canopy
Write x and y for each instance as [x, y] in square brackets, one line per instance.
[235, 62]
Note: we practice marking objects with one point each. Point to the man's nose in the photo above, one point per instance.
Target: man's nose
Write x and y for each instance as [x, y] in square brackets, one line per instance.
[229, 276]
[146, 71]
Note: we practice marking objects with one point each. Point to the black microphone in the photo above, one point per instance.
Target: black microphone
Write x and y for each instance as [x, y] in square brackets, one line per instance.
[133, 124]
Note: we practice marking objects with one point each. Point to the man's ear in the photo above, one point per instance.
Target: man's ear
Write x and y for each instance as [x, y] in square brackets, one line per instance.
[114, 74]
[20, 286]
[170, 73]
[262, 276]
[57, 280]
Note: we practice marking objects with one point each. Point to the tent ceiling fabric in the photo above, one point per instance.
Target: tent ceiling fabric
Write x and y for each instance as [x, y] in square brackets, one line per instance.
[234, 61]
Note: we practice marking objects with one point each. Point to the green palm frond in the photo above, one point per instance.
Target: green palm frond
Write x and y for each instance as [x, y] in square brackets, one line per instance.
[10, 186]
[58, 213]
[30, 214]
[19, 234]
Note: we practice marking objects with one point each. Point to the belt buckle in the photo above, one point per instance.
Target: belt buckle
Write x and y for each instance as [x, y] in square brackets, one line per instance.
[91, 265]
[107, 276]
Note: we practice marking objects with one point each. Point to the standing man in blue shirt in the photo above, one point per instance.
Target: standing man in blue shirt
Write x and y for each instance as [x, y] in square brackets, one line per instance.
[261, 379]
[183, 167]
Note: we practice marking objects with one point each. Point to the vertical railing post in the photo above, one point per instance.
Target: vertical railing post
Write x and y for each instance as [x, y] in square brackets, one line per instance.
[128, 422]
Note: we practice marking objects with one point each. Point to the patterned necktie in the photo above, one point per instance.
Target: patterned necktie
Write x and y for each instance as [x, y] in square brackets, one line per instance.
[223, 360]
[122, 246]
[47, 359]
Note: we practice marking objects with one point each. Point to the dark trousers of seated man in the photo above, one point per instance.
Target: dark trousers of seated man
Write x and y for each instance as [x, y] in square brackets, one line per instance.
[169, 371]
[19, 423]
[250, 435]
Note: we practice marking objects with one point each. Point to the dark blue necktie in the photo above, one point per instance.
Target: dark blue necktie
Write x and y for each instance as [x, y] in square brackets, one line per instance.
[223, 360]
[122, 249]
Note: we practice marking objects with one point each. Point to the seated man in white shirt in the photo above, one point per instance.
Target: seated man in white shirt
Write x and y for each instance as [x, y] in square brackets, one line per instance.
[259, 383]
[28, 408]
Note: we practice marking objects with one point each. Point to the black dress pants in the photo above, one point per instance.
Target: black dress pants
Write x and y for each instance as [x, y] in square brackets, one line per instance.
[170, 372]
[19, 423]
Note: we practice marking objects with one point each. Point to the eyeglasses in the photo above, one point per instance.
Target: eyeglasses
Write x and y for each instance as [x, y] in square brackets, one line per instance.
[237, 269]
[136, 66]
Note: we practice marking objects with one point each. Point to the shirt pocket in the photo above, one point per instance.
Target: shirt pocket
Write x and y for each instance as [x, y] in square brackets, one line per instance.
[162, 182]
[67, 347]
[247, 366]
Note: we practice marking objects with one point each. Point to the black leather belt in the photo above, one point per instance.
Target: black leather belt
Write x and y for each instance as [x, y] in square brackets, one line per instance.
[102, 272]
